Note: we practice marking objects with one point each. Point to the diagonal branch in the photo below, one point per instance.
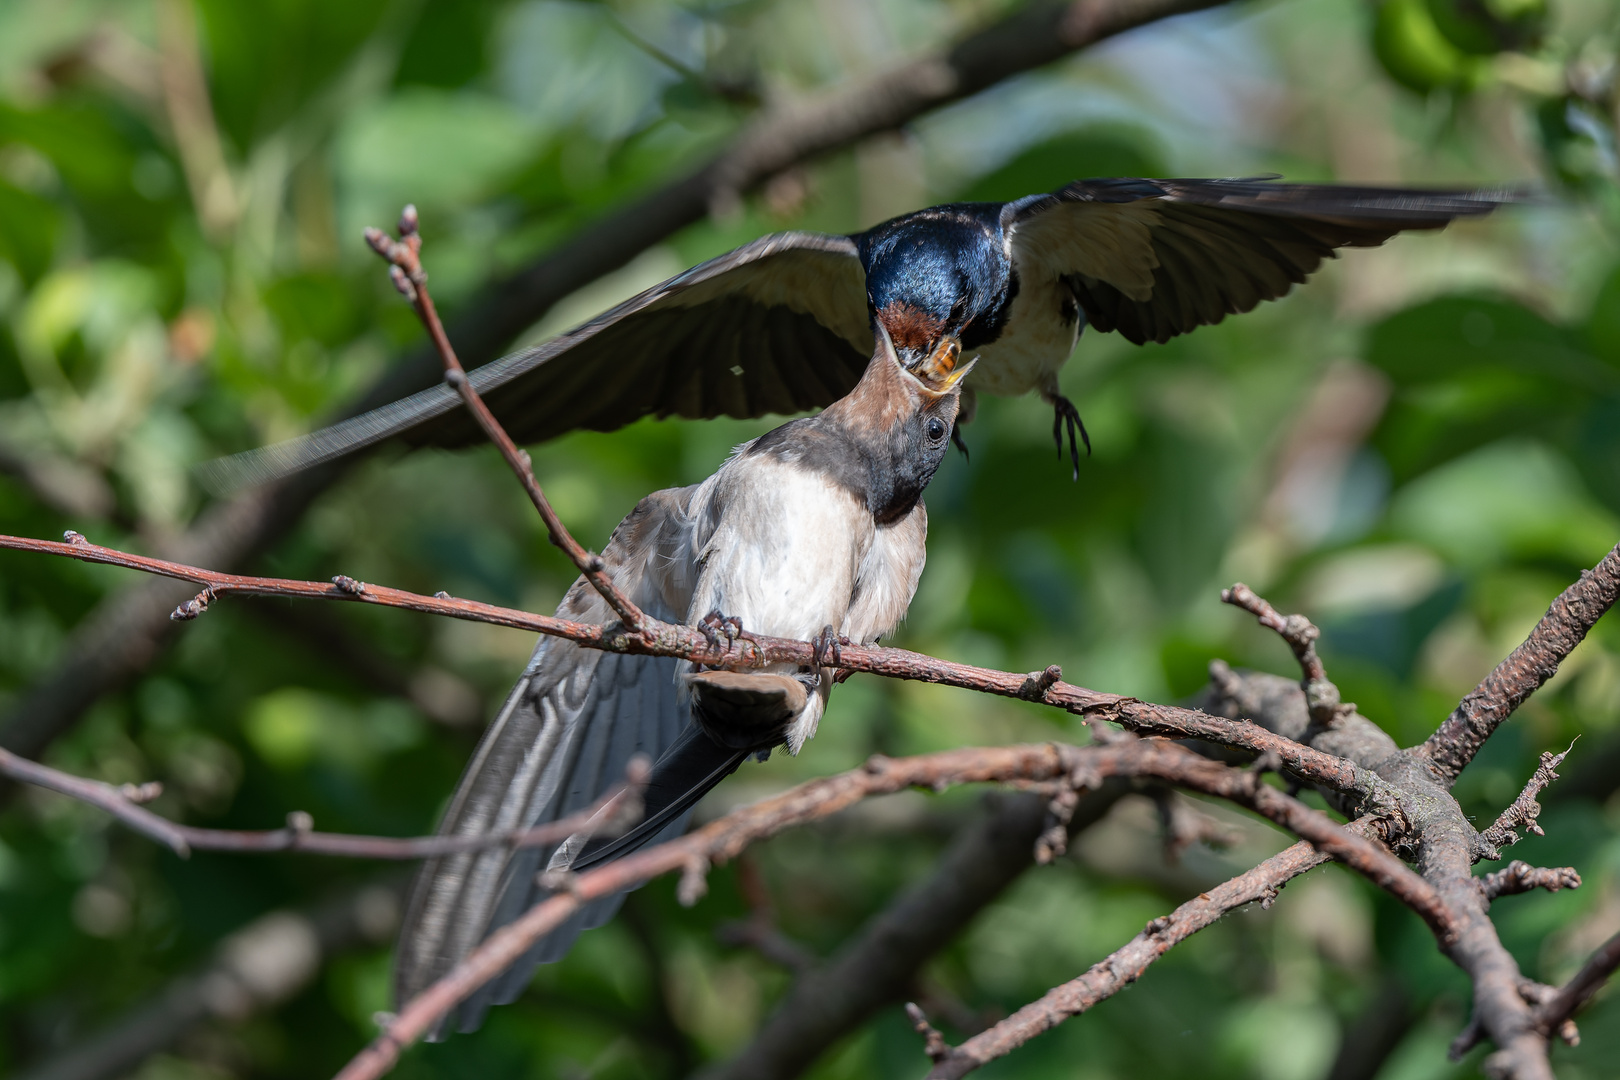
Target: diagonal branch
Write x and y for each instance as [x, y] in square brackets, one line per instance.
[1126, 964]
[405, 270]
[1558, 1010]
[1571, 615]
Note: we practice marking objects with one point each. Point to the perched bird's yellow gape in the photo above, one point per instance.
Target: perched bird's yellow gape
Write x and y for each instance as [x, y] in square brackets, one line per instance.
[814, 530]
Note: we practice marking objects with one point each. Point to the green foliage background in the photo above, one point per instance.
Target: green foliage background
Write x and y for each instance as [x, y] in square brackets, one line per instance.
[1418, 450]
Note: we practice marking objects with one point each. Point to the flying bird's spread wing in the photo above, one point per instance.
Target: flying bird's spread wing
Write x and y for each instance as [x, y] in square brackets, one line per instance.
[1157, 258]
[562, 740]
[779, 325]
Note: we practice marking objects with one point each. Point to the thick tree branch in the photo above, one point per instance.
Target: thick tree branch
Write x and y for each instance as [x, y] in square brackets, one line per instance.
[1572, 614]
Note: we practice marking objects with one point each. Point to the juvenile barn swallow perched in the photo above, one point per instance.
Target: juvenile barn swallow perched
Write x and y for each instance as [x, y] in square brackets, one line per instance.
[814, 530]
[785, 324]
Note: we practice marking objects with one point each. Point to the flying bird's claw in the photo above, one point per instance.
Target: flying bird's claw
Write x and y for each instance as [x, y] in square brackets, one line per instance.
[1064, 412]
[956, 440]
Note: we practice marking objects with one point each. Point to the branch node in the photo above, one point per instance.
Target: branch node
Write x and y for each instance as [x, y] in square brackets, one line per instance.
[441, 595]
[349, 585]
[1039, 682]
[455, 377]
[402, 283]
[195, 606]
[76, 539]
[1520, 877]
[141, 793]
[1523, 811]
[1301, 635]
[694, 881]
[934, 1044]
[300, 823]
[559, 881]
[408, 222]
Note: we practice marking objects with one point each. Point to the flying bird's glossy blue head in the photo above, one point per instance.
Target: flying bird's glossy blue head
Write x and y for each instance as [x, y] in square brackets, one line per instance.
[938, 275]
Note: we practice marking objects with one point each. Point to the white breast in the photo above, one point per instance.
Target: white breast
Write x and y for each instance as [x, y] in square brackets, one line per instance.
[1035, 344]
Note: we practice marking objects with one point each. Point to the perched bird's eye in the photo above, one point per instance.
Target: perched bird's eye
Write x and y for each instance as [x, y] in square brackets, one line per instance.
[936, 429]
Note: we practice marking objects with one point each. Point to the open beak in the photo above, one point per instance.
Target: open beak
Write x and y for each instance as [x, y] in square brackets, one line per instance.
[943, 369]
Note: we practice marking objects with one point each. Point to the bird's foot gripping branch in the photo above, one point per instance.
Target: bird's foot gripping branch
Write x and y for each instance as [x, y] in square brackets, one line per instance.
[1405, 831]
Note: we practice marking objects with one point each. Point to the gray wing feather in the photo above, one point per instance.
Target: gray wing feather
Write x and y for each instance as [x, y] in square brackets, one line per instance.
[562, 739]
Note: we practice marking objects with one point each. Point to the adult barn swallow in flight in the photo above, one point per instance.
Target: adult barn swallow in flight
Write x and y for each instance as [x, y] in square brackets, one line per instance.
[785, 324]
[814, 530]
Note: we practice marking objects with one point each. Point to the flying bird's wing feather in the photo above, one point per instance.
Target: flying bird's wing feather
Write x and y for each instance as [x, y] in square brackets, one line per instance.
[779, 325]
[1156, 258]
[561, 741]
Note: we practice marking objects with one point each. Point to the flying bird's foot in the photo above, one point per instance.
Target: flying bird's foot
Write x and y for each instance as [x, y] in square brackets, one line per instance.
[956, 440]
[1064, 412]
[746, 710]
[714, 625]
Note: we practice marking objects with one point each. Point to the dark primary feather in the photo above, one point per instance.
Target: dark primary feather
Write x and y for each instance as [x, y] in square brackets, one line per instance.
[776, 326]
[1157, 258]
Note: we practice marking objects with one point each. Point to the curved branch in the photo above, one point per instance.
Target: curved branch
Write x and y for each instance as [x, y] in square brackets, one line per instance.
[124, 802]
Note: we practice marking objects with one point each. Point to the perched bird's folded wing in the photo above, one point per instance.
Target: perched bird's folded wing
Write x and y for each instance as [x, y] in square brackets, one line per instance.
[1156, 258]
[779, 325]
[561, 741]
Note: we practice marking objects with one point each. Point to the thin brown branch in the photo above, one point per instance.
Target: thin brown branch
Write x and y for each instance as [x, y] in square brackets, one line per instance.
[1520, 877]
[123, 803]
[1524, 810]
[1126, 964]
[1321, 695]
[1554, 1013]
[664, 639]
[1568, 619]
[405, 269]
[724, 839]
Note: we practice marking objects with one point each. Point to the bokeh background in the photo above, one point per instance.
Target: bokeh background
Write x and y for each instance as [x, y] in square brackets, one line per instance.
[1419, 450]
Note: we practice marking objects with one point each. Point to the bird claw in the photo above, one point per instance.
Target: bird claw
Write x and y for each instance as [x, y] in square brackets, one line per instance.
[826, 648]
[714, 625]
[956, 440]
[1064, 412]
